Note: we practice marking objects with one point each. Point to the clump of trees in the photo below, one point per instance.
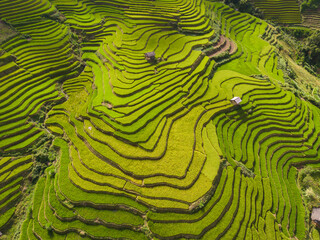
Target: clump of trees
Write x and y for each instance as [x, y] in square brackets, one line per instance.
[310, 50]
[307, 43]
[309, 4]
[43, 157]
[245, 6]
[309, 185]
[298, 32]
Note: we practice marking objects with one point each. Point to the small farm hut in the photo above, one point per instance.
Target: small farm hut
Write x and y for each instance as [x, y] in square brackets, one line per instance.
[315, 216]
[150, 56]
[236, 101]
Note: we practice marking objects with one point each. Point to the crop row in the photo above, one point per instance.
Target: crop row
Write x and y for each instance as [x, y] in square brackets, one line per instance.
[287, 11]
[12, 173]
[155, 149]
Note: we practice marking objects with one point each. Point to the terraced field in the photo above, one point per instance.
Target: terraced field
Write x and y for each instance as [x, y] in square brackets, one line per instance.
[284, 11]
[311, 18]
[12, 173]
[151, 150]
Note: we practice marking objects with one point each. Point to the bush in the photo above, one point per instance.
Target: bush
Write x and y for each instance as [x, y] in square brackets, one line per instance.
[45, 155]
[37, 171]
[309, 185]
[310, 51]
[298, 32]
[25, 36]
[48, 226]
[52, 173]
[245, 6]
[303, 6]
[201, 204]
[29, 212]
[309, 4]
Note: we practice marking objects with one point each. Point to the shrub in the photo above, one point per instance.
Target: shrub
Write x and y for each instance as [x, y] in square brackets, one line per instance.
[37, 171]
[310, 50]
[48, 226]
[245, 6]
[309, 185]
[45, 155]
[309, 4]
[298, 32]
[29, 212]
[201, 204]
[52, 173]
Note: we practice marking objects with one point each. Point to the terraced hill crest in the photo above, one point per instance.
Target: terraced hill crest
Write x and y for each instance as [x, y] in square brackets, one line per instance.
[150, 150]
[286, 11]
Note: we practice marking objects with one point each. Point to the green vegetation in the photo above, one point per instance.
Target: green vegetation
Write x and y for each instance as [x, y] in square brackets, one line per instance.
[310, 50]
[309, 185]
[102, 144]
[309, 4]
[6, 31]
[12, 173]
[305, 42]
[245, 6]
[287, 12]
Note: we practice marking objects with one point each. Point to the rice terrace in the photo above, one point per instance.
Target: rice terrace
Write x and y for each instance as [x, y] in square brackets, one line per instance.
[159, 119]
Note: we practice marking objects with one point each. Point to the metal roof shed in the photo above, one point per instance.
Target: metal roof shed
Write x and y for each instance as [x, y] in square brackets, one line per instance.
[315, 215]
[236, 101]
[150, 56]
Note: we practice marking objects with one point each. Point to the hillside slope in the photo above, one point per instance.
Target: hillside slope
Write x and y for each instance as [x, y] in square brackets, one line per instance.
[153, 149]
[283, 11]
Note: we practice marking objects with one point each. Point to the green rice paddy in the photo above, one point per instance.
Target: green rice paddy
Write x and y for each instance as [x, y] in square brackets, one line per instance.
[151, 150]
